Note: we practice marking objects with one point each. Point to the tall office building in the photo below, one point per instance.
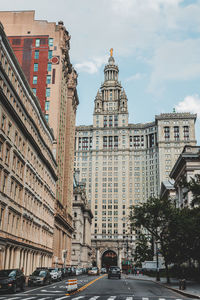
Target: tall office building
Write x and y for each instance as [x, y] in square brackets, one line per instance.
[28, 171]
[123, 164]
[42, 49]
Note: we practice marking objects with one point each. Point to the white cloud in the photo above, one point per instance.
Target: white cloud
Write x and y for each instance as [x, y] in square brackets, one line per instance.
[91, 67]
[136, 76]
[189, 104]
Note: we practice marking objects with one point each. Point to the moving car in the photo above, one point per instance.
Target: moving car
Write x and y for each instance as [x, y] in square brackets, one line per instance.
[40, 277]
[103, 271]
[12, 279]
[114, 271]
[93, 271]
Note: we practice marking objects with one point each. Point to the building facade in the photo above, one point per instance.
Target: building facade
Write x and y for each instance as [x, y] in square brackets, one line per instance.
[27, 171]
[82, 219]
[124, 164]
[42, 49]
[186, 167]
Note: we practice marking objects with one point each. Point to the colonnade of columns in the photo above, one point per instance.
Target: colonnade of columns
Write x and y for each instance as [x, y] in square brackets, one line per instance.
[24, 258]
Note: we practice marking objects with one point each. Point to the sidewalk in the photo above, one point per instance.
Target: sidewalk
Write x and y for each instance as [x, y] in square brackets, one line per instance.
[192, 288]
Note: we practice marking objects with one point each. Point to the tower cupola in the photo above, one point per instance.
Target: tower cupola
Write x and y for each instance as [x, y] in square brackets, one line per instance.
[111, 69]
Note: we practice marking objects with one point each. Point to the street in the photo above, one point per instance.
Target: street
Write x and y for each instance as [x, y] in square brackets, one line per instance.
[98, 287]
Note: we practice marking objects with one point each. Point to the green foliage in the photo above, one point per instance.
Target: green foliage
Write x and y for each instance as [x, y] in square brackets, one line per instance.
[143, 250]
[177, 231]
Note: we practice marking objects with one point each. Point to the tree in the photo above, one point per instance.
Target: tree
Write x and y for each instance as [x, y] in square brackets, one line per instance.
[143, 250]
[157, 216]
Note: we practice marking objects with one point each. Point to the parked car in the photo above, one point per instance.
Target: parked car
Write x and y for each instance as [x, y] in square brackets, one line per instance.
[103, 271]
[79, 271]
[93, 271]
[114, 271]
[40, 277]
[12, 279]
[54, 274]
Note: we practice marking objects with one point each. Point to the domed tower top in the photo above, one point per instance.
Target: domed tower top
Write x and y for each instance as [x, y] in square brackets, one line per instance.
[111, 70]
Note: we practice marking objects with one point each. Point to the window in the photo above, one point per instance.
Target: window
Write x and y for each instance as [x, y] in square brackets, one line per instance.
[46, 105]
[34, 91]
[48, 79]
[9, 129]
[49, 66]
[167, 133]
[105, 121]
[50, 42]
[36, 54]
[34, 79]
[47, 92]
[46, 117]
[35, 68]
[37, 43]
[3, 122]
[176, 133]
[50, 54]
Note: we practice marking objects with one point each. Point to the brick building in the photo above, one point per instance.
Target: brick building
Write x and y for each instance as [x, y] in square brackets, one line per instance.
[42, 49]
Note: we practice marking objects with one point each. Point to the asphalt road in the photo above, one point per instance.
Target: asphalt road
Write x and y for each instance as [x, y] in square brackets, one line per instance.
[98, 287]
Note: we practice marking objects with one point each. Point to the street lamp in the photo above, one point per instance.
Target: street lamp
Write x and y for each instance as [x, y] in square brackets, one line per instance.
[157, 264]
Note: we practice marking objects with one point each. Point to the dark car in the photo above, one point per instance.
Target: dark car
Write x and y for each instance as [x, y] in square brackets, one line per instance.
[12, 279]
[40, 277]
[114, 271]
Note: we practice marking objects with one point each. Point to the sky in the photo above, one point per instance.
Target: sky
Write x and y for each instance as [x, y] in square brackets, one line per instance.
[156, 47]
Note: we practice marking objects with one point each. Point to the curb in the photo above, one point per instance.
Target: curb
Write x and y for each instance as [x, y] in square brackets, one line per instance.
[170, 288]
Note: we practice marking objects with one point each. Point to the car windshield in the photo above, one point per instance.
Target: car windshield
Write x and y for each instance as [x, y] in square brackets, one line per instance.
[52, 270]
[7, 273]
[39, 273]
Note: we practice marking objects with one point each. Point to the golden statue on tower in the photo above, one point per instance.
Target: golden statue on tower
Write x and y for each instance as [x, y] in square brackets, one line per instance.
[111, 52]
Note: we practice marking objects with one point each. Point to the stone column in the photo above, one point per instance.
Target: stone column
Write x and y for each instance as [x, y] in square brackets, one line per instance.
[11, 257]
[17, 258]
[98, 259]
[119, 258]
[7, 257]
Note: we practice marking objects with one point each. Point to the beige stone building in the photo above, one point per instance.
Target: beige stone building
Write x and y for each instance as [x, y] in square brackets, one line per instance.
[27, 171]
[187, 166]
[42, 48]
[124, 164]
[82, 218]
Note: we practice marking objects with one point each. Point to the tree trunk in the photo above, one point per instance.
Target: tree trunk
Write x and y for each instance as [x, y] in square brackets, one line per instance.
[167, 272]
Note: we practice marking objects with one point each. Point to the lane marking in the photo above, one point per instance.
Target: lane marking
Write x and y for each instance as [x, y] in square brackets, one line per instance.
[41, 287]
[45, 291]
[65, 297]
[11, 298]
[86, 285]
[145, 298]
[78, 297]
[111, 298]
[94, 298]
[129, 298]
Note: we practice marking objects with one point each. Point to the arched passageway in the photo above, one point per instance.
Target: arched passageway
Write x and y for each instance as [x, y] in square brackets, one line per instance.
[109, 258]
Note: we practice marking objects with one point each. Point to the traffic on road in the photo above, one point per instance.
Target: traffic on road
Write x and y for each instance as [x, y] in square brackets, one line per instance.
[92, 287]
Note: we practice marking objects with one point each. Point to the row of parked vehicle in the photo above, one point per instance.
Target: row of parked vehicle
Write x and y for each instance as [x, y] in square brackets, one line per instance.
[14, 279]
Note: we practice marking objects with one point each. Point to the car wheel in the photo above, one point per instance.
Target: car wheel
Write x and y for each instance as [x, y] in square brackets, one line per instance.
[14, 288]
[23, 286]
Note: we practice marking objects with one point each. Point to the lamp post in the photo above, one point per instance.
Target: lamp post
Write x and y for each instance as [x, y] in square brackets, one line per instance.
[157, 264]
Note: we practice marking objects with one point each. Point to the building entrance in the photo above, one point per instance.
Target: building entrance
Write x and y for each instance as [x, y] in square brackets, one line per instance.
[109, 258]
